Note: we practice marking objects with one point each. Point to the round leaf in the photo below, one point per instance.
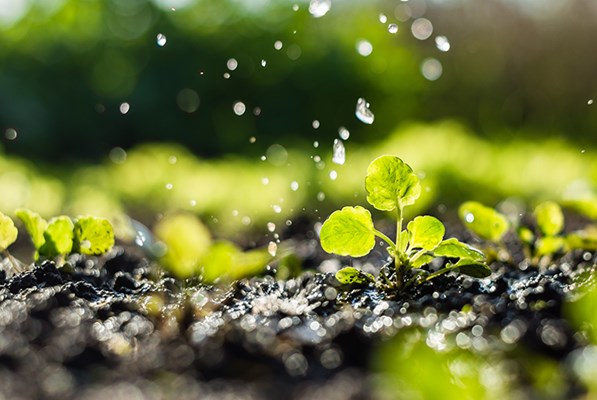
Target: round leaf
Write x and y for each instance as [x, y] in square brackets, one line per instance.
[348, 232]
[484, 221]
[391, 184]
[549, 245]
[455, 249]
[473, 268]
[58, 237]
[350, 275]
[8, 232]
[426, 232]
[93, 235]
[550, 218]
[34, 224]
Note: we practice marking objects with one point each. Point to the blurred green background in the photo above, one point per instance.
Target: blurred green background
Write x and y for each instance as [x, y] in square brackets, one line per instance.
[486, 100]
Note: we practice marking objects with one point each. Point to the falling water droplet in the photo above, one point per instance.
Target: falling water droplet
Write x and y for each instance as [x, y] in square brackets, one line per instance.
[294, 186]
[382, 18]
[363, 112]
[469, 217]
[278, 45]
[226, 75]
[442, 43]
[590, 101]
[161, 39]
[315, 124]
[364, 47]
[11, 134]
[393, 28]
[124, 108]
[169, 186]
[339, 153]
[319, 8]
[263, 63]
[320, 196]
[172, 160]
[239, 108]
[343, 133]
[271, 226]
[277, 209]
[431, 69]
[316, 144]
[265, 180]
[232, 64]
[272, 248]
[421, 28]
[252, 139]
[295, 7]
[333, 175]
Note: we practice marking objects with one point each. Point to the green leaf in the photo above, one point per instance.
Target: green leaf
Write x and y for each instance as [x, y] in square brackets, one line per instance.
[585, 239]
[93, 236]
[58, 237]
[391, 184]
[348, 232]
[472, 268]
[423, 260]
[550, 218]
[525, 234]
[187, 240]
[350, 275]
[219, 261]
[549, 245]
[484, 221]
[426, 232]
[8, 232]
[34, 224]
[453, 248]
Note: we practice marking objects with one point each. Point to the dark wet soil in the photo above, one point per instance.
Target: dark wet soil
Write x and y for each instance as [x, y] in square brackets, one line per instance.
[116, 327]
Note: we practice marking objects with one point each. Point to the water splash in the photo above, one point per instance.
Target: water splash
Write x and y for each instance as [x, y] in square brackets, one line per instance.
[339, 152]
[161, 39]
[363, 113]
[319, 8]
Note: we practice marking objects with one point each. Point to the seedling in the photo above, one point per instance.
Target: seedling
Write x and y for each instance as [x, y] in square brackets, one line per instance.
[59, 237]
[487, 223]
[8, 235]
[391, 185]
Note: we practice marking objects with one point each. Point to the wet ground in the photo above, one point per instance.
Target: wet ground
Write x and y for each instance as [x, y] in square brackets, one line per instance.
[116, 327]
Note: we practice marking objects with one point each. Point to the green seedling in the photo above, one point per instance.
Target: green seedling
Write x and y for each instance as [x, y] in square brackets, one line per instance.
[391, 185]
[487, 223]
[60, 236]
[190, 252]
[8, 235]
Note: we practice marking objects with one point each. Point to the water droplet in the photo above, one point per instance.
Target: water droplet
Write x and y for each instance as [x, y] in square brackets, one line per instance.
[393, 28]
[421, 28]
[382, 18]
[469, 217]
[315, 124]
[343, 133]
[172, 160]
[263, 63]
[187, 100]
[431, 69]
[316, 144]
[263, 158]
[294, 186]
[232, 64]
[583, 151]
[271, 226]
[252, 139]
[319, 8]
[85, 244]
[193, 203]
[590, 101]
[124, 108]
[333, 175]
[339, 153]
[278, 45]
[272, 248]
[316, 159]
[169, 186]
[442, 43]
[161, 39]
[321, 196]
[117, 155]
[364, 47]
[239, 108]
[277, 209]
[226, 75]
[246, 220]
[363, 112]
[265, 180]
[295, 7]
[11, 134]
[235, 213]
[277, 155]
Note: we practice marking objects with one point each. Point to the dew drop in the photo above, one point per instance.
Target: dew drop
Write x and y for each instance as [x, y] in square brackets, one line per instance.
[469, 217]
[272, 248]
[333, 175]
[339, 152]
[124, 108]
[161, 39]
[239, 108]
[343, 133]
[11, 134]
[319, 8]
[169, 186]
[271, 226]
[232, 64]
[363, 113]
[172, 160]
[382, 18]
[295, 7]
[442, 43]
[364, 47]
[393, 28]
[294, 186]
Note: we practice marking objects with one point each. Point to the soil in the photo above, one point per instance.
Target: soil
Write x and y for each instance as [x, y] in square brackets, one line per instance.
[117, 327]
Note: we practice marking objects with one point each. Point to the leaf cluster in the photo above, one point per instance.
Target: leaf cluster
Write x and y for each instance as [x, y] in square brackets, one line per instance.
[391, 186]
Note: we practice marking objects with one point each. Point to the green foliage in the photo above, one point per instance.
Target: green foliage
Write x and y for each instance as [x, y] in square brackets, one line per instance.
[550, 218]
[484, 221]
[8, 232]
[92, 235]
[191, 252]
[34, 224]
[58, 237]
[392, 185]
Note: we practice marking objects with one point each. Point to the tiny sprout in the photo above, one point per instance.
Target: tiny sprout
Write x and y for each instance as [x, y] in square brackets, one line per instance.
[392, 185]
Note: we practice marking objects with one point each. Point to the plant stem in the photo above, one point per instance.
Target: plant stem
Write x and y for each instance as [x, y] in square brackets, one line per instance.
[438, 273]
[386, 239]
[400, 270]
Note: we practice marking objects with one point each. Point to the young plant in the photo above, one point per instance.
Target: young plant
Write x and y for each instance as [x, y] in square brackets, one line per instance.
[61, 236]
[487, 223]
[8, 235]
[391, 185]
